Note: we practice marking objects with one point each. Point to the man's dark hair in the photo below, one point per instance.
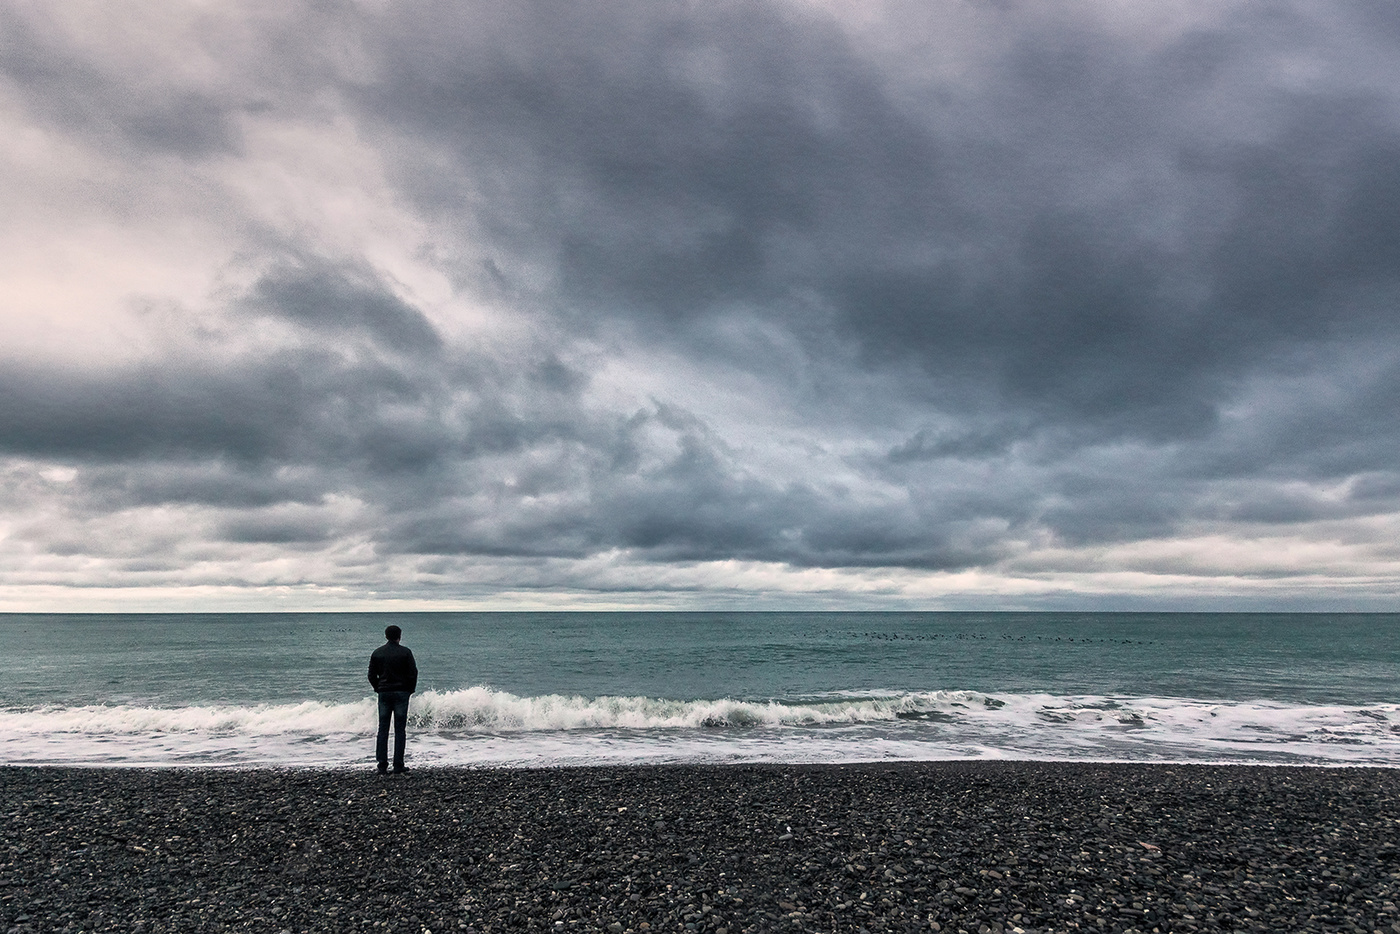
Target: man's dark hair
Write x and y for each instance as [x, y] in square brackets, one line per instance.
[393, 633]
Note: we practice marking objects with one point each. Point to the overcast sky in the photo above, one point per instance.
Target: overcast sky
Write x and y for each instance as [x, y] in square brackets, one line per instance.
[933, 304]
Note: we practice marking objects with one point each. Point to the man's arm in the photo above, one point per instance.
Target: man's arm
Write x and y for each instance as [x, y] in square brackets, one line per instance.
[376, 671]
[412, 674]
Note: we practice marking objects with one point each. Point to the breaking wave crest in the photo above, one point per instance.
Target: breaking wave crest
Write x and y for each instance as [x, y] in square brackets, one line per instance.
[482, 708]
[480, 725]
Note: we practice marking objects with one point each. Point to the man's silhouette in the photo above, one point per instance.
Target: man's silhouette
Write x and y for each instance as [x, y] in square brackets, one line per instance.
[394, 676]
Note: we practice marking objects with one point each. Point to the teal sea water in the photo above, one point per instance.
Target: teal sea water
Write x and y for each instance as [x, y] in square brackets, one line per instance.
[589, 688]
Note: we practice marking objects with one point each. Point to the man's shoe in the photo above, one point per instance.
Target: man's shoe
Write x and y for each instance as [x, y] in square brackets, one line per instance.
[383, 770]
[400, 770]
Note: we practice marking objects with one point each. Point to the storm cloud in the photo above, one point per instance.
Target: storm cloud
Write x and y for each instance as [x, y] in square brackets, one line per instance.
[751, 303]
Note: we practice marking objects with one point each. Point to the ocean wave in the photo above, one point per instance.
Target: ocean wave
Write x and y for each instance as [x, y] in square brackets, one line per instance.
[482, 708]
[482, 725]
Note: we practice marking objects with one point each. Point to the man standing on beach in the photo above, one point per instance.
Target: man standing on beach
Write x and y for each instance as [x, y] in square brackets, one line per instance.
[394, 676]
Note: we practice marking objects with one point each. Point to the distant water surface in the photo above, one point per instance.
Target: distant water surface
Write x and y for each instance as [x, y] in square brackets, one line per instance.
[574, 688]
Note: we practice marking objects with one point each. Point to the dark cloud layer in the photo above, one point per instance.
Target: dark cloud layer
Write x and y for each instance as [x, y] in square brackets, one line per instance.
[1101, 255]
[1050, 282]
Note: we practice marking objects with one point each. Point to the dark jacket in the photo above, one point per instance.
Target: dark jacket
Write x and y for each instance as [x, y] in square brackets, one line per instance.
[392, 668]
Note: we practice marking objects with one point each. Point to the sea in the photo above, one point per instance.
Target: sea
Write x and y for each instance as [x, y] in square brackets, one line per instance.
[551, 689]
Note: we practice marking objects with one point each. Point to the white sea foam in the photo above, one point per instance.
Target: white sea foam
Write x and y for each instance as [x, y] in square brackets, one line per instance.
[482, 726]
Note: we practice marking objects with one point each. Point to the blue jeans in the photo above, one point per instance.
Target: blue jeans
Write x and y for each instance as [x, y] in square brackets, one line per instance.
[395, 704]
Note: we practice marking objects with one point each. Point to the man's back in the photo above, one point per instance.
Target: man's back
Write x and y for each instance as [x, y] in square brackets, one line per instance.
[392, 668]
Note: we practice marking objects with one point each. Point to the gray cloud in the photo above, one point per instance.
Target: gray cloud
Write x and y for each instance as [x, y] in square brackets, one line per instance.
[1079, 290]
[323, 298]
[777, 176]
[109, 99]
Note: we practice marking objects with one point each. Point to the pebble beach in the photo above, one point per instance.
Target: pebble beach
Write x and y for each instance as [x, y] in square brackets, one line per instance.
[976, 847]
